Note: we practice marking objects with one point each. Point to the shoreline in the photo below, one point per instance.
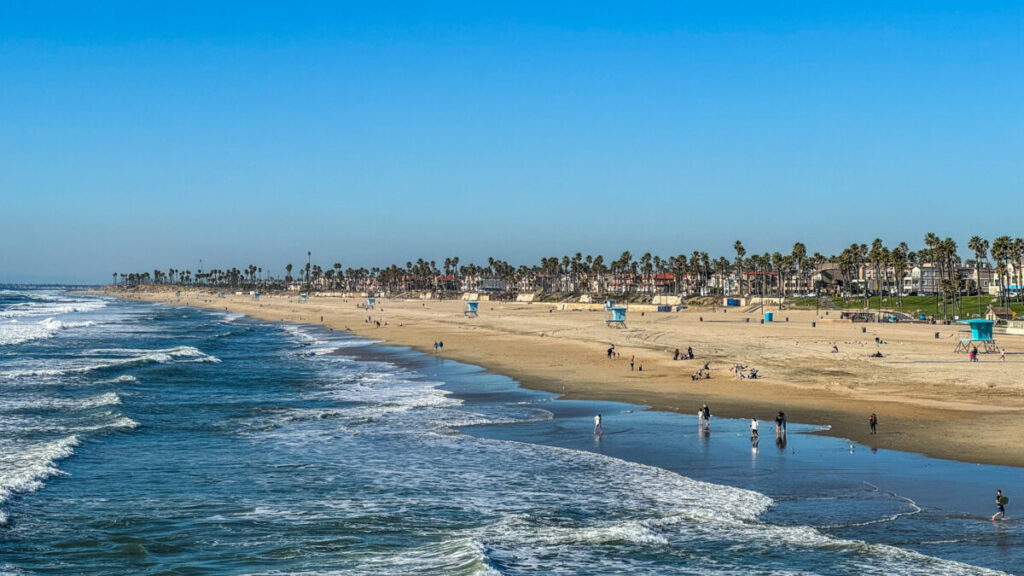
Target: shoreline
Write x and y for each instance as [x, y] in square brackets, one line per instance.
[562, 352]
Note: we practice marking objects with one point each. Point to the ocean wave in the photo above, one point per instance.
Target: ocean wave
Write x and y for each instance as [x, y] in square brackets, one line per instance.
[15, 332]
[122, 379]
[320, 344]
[56, 308]
[105, 358]
[24, 467]
[47, 403]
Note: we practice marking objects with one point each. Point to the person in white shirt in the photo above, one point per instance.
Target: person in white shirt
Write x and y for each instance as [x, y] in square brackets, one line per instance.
[753, 429]
[597, 425]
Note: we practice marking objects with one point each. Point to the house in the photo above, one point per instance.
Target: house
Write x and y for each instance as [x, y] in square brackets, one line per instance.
[923, 280]
[997, 313]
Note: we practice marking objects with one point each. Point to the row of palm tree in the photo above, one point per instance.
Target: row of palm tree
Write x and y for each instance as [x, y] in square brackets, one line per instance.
[867, 269]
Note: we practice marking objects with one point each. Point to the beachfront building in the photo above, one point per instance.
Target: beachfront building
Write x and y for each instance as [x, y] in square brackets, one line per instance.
[984, 281]
[923, 280]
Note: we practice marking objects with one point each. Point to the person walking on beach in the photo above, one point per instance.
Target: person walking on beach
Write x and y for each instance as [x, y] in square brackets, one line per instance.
[1001, 502]
[779, 420]
[631, 360]
[873, 421]
[1002, 354]
[598, 430]
[707, 417]
[753, 430]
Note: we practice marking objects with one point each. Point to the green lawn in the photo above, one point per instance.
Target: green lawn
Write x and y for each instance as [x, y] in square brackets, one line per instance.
[914, 305]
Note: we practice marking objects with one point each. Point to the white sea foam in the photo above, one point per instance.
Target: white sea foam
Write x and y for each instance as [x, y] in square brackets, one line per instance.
[122, 379]
[52, 308]
[103, 358]
[321, 344]
[24, 466]
[17, 332]
[50, 403]
[524, 490]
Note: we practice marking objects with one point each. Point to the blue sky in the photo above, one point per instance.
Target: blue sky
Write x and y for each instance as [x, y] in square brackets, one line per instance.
[137, 136]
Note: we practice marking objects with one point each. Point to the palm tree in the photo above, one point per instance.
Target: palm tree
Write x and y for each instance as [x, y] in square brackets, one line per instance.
[740, 253]
[980, 248]
[288, 272]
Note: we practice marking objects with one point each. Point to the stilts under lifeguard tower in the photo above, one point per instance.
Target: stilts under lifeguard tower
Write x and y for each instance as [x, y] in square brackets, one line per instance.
[370, 301]
[618, 317]
[472, 307]
[981, 333]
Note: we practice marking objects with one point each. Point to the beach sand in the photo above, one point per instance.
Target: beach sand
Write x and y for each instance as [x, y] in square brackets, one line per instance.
[928, 399]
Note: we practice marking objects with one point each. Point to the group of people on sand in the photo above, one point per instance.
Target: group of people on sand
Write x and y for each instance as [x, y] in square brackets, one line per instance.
[680, 356]
[740, 372]
[702, 374]
[438, 346]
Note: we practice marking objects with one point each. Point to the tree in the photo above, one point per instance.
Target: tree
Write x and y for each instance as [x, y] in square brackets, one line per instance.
[740, 253]
[980, 248]
[288, 273]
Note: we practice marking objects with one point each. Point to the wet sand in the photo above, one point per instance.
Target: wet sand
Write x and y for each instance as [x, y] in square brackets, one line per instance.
[928, 399]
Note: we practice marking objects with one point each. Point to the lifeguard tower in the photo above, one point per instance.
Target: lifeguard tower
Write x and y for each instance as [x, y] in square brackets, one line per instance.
[370, 301]
[302, 297]
[472, 307]
[618, 317]
[255, 295]
[221, 295]
[981, 333]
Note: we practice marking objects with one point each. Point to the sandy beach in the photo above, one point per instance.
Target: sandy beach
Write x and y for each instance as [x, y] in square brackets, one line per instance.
[928, 399]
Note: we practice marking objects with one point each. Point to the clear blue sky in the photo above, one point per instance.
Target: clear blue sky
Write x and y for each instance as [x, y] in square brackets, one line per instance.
[135, 135]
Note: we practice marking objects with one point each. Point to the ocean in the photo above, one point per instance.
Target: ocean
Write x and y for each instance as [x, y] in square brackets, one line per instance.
[140, 438]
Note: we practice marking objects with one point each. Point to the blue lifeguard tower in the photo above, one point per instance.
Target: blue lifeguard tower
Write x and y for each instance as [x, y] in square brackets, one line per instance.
[255, 295]
[472, 307]
[370, 301]
[618, 317]
[302, 297]
[221, 295]
[981, 333]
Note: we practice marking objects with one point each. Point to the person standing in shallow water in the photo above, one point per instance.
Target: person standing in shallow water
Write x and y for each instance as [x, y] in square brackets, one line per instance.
[1000, 506]
[873, 421]
[598, 430]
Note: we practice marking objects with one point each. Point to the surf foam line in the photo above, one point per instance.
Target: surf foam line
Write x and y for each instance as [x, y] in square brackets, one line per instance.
[109, 358]
[15, 332]
[24, 468]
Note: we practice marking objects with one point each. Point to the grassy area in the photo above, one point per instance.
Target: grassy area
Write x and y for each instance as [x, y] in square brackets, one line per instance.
[927, 305]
